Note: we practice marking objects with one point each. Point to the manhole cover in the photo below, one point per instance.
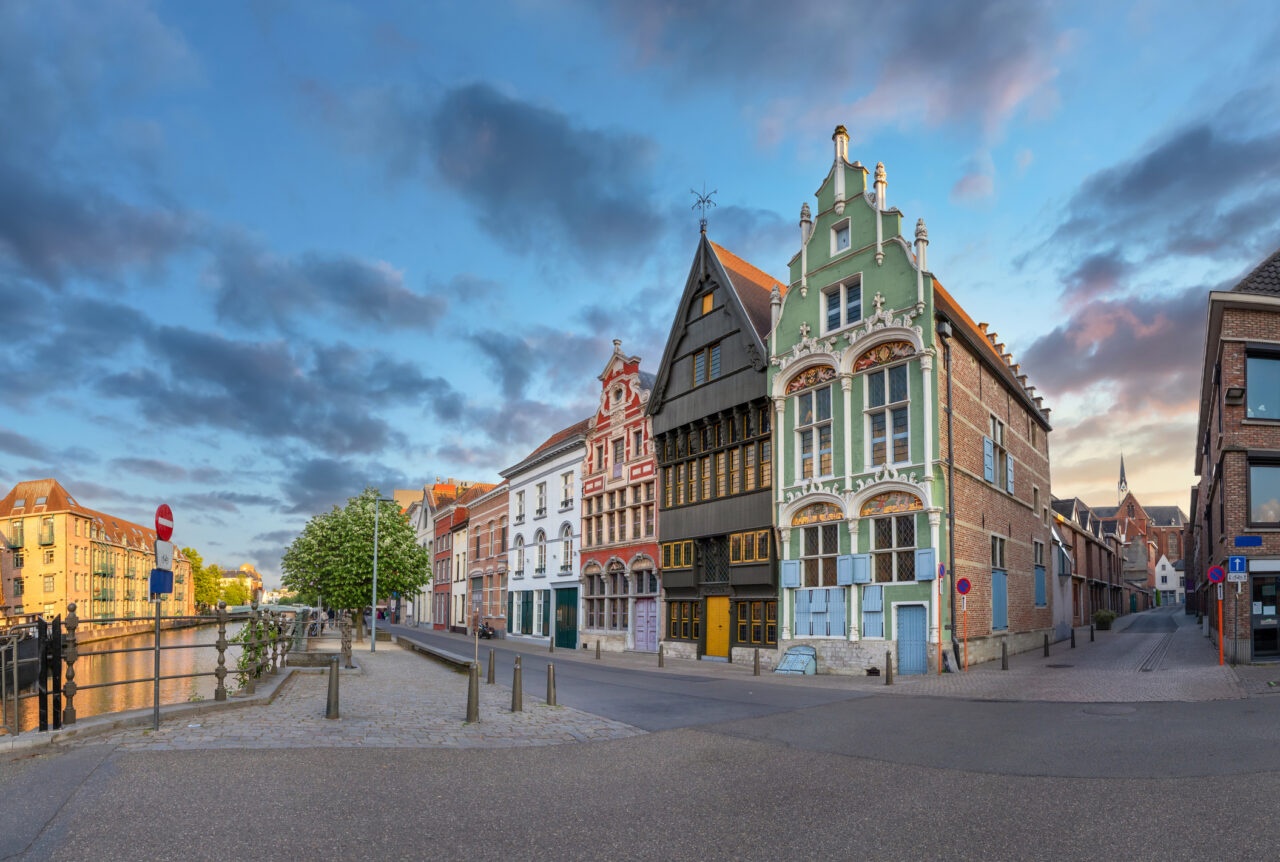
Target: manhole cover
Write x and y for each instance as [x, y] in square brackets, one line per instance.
[1108, 710]
[1059, 665]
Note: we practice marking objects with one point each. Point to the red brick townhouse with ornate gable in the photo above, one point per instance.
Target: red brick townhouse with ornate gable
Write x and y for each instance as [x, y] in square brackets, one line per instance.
[1235, 508]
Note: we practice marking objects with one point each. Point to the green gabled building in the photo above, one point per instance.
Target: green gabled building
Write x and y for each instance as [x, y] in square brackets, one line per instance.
[863, 449]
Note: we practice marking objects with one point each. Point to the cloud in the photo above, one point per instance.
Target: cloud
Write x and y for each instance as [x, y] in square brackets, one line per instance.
[972, 188]
[1100, 274]
[545, 354]
[277, 537]
[150, 468]
[13, 443]
[953, 62]
[315, 484]
[223, 501]
[256, 288]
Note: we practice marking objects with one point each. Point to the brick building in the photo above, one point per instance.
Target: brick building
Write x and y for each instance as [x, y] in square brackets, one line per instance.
[1235, 507]
[58, 551]
[1094, 558]
[1148, 533]
[621, 608]
[488, 569]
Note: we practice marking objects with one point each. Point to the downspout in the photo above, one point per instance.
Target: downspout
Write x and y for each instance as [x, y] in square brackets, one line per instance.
[944, 331]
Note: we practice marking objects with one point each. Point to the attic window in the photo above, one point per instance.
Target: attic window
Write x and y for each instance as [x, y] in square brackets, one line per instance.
[20, 502]
[840, 237]
[40, 501]
[707, 299]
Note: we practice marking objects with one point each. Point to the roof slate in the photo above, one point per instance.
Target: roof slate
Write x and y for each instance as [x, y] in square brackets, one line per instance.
[1265, 278]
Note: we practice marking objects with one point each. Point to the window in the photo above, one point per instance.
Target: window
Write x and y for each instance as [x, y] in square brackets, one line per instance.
[648, 520]
[600, 456]
[706, 364]
[1262, 379]
[999, 586]
[566, 490]
[48, 558]
[503, 537]
[18, 559]
[566, 548]
[707, 300]
[766, 464]
[595, 602]
[893, 548]
[666, 488]
[1264, 493]
[757, 623]
[684, 621]
[519, 506]
[840, 237]
[48, 584]
[542, 499]
[1042, 599]
[637, 444]
[677, 555]
[679, 481]
[734, 460]
[841, 306]
[619, 456]
[519, 556]
[997, 466]
[887, 415]
[749, 547]
[706, 477]
[813, 431]
[692, 470]
[540, 539]
[19, 586]
[818, 548]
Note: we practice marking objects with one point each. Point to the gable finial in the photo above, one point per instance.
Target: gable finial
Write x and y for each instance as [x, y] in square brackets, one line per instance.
[703, 203]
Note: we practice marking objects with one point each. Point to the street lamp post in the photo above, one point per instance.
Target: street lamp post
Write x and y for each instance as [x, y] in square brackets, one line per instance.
[373, 609]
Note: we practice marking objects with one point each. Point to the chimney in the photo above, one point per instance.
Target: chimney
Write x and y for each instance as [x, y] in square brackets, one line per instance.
[983, 327]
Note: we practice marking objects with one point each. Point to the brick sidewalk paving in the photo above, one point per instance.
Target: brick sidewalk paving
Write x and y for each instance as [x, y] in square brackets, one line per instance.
[401, 700]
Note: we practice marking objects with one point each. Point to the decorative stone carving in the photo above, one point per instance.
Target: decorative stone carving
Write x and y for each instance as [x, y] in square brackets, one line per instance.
[806, 346]
[754, 357]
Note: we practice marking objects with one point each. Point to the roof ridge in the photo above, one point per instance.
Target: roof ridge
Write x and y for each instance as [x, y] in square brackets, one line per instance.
[1272, 261]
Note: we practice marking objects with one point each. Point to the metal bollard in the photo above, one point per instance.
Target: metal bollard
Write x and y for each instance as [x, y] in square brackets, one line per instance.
[660, 661]
[1046, 646]
[69, 654]
[331, 708]
[551, 644]
[473, 693]
[220, 690]
[551, 685]
[489, 679]
[755, 669]
[597, 650]
[517, 695]
[1090, 632]
[888, 667]
[1004, 655]
[1073, 637]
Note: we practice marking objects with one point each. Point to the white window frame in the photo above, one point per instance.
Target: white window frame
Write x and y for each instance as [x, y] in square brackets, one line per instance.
[815, 429]
[540, 561]
[566, 548]
[541, 510]
[887, 408]
[1000, 473]
[823, 553]
[566, 489]
[845, 223]
[894, 549]
[841, 289]
[519, 506]
[519, 552]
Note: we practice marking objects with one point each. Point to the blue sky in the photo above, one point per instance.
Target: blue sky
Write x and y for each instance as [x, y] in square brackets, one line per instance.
[253, 257]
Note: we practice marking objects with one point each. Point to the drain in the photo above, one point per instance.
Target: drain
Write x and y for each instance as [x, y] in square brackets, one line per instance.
[1059, 665]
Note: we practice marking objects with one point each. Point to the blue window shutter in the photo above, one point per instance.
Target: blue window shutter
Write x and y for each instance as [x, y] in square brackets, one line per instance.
[1040, 587]
[926, 569]
[872, 612]
[861, 568]
[988, 459]
[803, 624]
[999, 600]
[1008, 474]
[844, 570]
[791, 573]
[873, 598]
[836, 614]
[818, 602]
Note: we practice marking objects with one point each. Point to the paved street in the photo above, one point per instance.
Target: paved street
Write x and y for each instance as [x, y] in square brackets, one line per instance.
[726, 770]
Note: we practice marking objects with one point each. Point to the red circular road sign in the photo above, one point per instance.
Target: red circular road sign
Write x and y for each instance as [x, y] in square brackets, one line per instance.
[1217, 574]
[962, 586]
[164, 522]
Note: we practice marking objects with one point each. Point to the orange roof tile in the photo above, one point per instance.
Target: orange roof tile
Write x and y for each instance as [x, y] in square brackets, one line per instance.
[753, 286]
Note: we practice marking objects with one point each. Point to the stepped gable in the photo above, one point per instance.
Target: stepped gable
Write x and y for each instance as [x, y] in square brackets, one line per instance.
[1264, 279]
[753, 286]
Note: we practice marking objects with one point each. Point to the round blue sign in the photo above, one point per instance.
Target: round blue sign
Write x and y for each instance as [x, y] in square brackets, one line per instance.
[1217, 574]
[962, 586]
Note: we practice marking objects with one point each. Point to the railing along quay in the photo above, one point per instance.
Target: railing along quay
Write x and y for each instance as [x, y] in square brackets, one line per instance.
[266, 640]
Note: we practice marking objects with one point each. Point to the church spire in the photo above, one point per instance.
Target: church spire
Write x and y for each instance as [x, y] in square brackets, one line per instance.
[1122, 487]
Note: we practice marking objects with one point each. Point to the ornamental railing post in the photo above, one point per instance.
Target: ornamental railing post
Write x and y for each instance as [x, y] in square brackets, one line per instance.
[69, 654]
[275, 643]
[251, 645]
[220, 691]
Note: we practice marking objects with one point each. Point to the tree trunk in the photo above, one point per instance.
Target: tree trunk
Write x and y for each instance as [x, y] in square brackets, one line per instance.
[358, 614]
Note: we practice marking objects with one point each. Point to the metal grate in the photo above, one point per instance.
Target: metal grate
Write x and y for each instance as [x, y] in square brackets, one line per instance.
[714, 555]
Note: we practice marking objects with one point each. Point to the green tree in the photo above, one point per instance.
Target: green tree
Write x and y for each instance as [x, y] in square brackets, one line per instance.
[236, 593]
[333, 556]
[204, 579]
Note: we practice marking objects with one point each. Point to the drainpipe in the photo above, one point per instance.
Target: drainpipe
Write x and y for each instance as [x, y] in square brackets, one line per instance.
[944, 331]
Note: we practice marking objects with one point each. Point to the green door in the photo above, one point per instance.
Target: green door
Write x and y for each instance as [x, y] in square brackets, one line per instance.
[567, 618]
[1133, 603]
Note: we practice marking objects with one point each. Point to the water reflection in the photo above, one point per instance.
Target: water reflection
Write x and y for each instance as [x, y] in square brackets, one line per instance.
[141, 665]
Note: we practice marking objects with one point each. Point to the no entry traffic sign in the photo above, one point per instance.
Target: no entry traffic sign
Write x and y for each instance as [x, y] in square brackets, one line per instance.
[1217, 574]
[164, 522]
[962, 586]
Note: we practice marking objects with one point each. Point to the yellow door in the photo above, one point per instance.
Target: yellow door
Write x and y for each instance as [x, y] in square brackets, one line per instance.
[718, 626]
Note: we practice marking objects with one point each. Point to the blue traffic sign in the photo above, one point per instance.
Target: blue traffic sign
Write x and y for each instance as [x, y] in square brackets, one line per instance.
[1237, 565]
[161, 581]
[1248, 541]
[962, 586]
[1217, 574]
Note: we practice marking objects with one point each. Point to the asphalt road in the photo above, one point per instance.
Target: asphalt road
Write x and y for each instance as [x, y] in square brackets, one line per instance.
[736, 768]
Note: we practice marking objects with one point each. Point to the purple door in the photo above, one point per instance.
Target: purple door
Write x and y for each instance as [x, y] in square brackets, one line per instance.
[646, 621]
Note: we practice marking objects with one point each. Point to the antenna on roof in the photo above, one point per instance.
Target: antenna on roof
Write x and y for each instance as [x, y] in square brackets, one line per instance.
[703, 203]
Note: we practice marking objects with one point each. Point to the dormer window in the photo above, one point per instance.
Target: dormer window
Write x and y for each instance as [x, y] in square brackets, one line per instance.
[20, 502]
[840, 237]
[40, 501]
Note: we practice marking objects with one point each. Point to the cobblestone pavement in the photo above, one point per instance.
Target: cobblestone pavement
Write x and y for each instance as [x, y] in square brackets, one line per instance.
[1119, 667]
[399, 700]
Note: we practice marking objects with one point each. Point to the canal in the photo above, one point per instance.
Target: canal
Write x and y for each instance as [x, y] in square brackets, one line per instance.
[140, 665]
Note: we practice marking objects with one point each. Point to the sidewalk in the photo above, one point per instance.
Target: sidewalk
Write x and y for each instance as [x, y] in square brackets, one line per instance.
[400, 700]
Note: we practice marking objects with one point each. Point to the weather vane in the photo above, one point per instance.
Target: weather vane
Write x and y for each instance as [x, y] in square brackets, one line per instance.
[702, 203]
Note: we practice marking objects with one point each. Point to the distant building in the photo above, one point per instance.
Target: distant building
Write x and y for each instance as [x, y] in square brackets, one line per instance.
[487, 571]
[1235, 508]
[1148, 533]
[57, 551]
[1092, 564]
[1169, 583]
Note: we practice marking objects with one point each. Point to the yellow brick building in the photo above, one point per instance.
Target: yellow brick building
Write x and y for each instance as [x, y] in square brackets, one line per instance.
[53, 550]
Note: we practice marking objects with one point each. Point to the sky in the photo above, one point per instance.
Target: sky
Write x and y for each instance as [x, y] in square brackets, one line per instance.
[255, 257]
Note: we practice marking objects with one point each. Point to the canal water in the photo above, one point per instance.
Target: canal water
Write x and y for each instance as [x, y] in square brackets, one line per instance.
[141, 665]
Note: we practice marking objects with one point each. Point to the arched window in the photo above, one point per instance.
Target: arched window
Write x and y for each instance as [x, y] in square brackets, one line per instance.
[566, 548]
[519, 556]
[540, 539]
[811, 389]
[492, 541]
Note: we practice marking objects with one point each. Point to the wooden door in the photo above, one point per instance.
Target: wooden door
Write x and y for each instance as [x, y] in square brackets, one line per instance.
[646, 623]
[718, 626]
[912, 643]
[566, 627]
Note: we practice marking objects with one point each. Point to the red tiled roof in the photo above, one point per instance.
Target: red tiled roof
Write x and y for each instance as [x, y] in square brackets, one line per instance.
[753, 286]
[564, 434]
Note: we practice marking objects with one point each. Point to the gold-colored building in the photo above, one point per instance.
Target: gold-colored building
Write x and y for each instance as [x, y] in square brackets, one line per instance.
[53, 551]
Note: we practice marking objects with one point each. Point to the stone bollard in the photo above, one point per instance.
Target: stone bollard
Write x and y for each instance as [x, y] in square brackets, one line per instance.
[755, 670]
[220, 690]
[489, 679]
[551, 685]
[517, 695]
[473, 693]
[660, 662]
[597, 649]
[69, 654]
[1073, 637]
[1046, 646]
[1090, 632]
[331, 708]
[888, 667]
[1004, 655]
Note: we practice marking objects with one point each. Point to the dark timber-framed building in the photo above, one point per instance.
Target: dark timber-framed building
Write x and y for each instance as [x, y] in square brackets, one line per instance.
[711, 426]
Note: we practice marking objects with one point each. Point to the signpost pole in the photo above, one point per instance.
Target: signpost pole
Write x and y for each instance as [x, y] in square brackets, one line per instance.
[1235, 637]
[155, 711]
[1219, 624]
[964, 605]
[940, 582]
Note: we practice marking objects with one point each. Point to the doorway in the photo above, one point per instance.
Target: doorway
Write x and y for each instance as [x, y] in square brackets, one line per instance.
[1265, 623]
[646, 623]
[718, 627]
[566, 633]
[912, 640]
